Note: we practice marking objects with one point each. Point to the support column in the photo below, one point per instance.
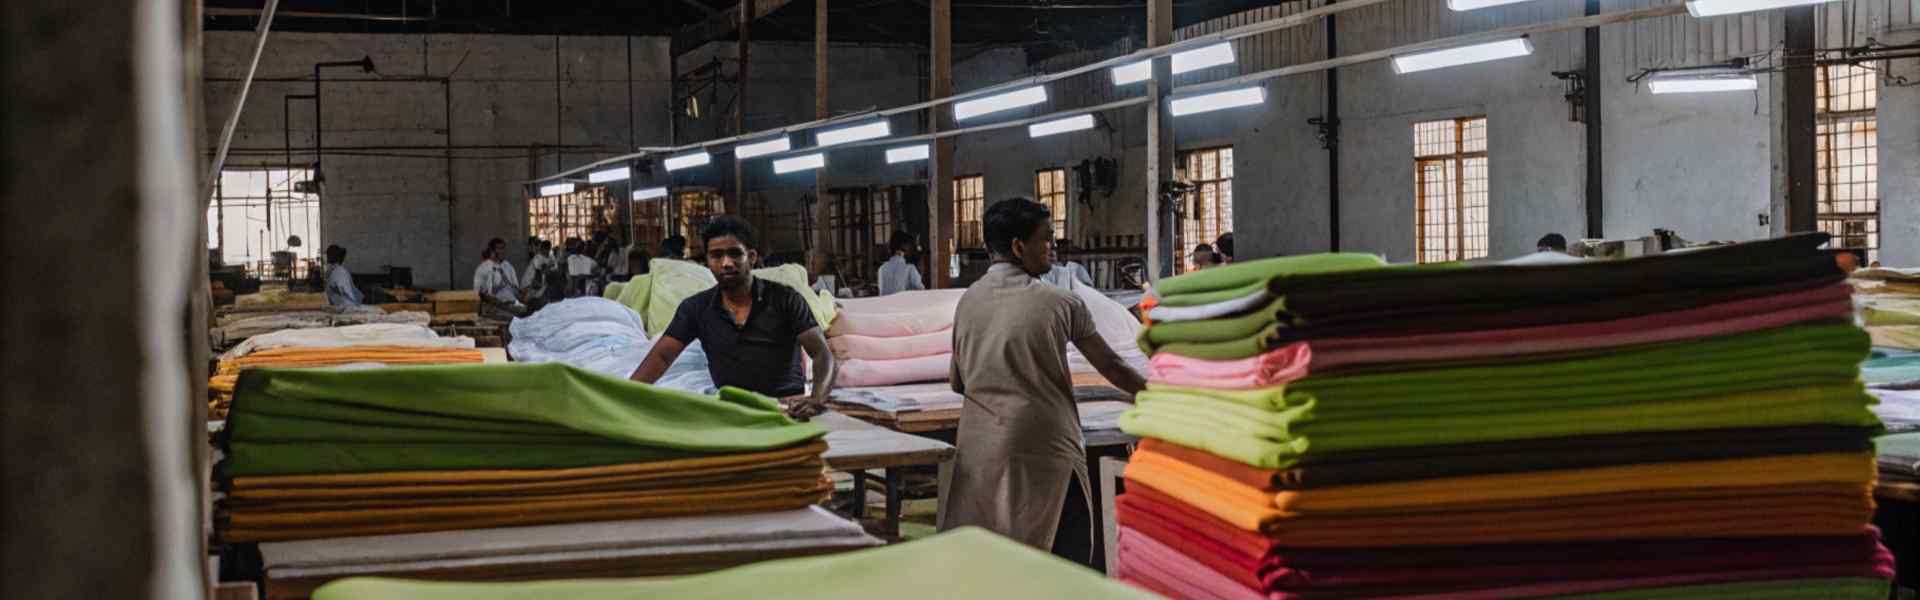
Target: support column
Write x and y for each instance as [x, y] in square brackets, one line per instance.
[1331, 129]
[940, 215]
[1798, 117]
[735, 205]
[822, 236]
[1159, 143]
[1590, 110]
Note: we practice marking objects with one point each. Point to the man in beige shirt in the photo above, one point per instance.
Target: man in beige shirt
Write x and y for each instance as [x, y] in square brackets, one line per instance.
[1021, 467]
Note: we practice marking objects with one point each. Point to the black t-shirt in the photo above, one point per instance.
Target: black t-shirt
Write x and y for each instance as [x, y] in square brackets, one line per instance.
[749, 357]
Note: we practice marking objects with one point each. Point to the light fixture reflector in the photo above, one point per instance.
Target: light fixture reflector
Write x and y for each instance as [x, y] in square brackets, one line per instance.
[1190, 60]
[1699, 82]
[687, 161]
[1073, 123]
[1462, 55]
[614, 174]
[650, 193]
[1715, 8]
[907, 153]
[555, 189]
[1191, 105]
[762, 147]
[1464, 5]
[853, 133]
[804, 162]
[967, 109]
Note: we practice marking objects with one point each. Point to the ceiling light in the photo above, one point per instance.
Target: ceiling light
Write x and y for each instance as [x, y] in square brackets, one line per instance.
[650, 193]
[1462, 55]
[1190, 60]
[800, 163]
[855, 133]
[555, 189]
[685, 161]
[762, 148]
[1246, 96]
[967, 109]
[907, 154]
[1695, 82]
[1478, 4]
[1715, 8]
[1046, 128]
[615, 174]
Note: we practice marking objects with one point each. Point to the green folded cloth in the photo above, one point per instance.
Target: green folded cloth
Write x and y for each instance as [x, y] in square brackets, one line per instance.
[1240, 275]
[1208, 331]
[966, 562]
[1266, 338]
[1199, 298]
[549, 415]
[1270, 440]
[1847, 588]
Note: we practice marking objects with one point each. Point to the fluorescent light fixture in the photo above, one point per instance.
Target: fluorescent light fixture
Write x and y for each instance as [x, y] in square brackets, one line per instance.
[650, 193]
[1046, 128]
[1702, 81]
[1190, 60]
[1462, 55]
[1246, 96]
[1715, 8]
[907, 154]
[614, 174]
[967, 109]
[805, 162]
[685, 161]
[853, 133]
[762, 148]
[555, 189]
[1478, 4]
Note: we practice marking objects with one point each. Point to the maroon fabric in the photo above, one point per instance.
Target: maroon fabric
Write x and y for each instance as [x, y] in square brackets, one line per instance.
[1210, 552]
[1146, 499]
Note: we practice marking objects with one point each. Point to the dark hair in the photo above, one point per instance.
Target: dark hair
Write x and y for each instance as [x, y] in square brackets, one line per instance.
[902, 241]
[727, 226]
[1012, 219]
[574, 245]
[675, 246]
[487, 251]
[1223, 246]
[1207, 248]
[495, 242]
[336, 254]
[1553, 241]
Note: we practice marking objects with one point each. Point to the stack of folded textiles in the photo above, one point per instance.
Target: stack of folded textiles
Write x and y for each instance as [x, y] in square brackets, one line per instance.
[890, 340]
[332, 453]
[361, 345]
[1684, 425]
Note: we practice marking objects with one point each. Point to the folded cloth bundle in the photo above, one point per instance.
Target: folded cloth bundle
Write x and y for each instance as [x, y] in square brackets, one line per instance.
[1891, 369]
[861, 347]
[982, 564]
[868, 373]
[899, 315]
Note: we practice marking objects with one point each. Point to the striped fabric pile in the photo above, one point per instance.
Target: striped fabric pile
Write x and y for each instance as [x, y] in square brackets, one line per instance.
[320, 453]
[375, 344]
[1685, 425]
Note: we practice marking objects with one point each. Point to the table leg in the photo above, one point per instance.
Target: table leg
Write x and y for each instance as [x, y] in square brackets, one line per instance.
[946, 483]
[895, 481]
[1110, 471]
[859, 495]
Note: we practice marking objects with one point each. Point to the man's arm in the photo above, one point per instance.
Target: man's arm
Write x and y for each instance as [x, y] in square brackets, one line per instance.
[913, 278]
[664, 352]
[825, 369]
[1109, 364]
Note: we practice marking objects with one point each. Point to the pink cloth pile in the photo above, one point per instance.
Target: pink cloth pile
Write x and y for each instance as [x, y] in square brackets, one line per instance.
[891, 340]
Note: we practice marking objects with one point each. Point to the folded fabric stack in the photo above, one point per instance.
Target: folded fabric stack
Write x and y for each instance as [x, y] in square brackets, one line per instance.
[335, 453]
[891, 340]
[1889, 302]
[360, 345]
[1684, 425]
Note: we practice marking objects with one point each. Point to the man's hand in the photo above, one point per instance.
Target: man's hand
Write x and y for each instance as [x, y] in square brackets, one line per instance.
[803, 407]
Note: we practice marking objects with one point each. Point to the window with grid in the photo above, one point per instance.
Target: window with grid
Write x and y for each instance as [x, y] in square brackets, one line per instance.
[1209, 210]
[649, 223]
[254, 213]
[1450, 189]
[575, 215]
[970, 200]
[696, 208]
[1847, 156]
[1050, 188]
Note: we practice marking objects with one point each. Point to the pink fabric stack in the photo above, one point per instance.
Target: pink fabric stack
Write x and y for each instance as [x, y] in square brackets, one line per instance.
[891, 340]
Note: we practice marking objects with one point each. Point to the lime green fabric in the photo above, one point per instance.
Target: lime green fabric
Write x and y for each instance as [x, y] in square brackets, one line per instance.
[794, 276]
[670, 283]
[1199, 298]
[964, 563]
[1266, 338]
[1278, 440]
[613, 291]
[634, 295]
[1208, 331]
[1849, 588]
[546, 415]
[1243, 274]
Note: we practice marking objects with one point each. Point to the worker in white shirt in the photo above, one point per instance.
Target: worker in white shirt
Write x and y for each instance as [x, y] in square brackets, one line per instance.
[340, 288]
[501, 296]
[898, 274]
[582, 270]
[1066, 275]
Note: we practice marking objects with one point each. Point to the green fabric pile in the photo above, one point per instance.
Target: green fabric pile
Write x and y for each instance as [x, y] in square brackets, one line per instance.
[659, 293]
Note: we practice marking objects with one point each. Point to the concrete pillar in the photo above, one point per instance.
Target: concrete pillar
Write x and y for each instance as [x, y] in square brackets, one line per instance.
[822, 236]
[1159, 142]
[941, 216]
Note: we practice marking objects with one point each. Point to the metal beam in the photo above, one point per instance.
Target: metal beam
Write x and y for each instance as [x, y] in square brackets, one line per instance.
[1802, 210]
[1160, 222]
[941, 215]
[822, 236]
[721, 25]
[743, 47]
[1590, 110]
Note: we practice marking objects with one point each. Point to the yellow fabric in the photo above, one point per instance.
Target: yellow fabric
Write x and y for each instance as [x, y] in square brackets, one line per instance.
[669, 283]
[1855, 468]
[331, 357]
[794, 276]
[1903, 337]
[634, 294]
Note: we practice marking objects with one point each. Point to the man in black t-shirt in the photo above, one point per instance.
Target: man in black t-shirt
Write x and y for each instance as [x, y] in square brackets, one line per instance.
[752, 329]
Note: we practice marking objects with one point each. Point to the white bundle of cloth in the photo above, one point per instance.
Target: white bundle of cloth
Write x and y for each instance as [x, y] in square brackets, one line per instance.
[375, 334]
[605, 337]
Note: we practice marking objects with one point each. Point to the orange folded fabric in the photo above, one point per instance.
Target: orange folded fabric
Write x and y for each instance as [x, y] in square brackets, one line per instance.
[331, 357]
[324, 497]
[252, 513]
[802, 454]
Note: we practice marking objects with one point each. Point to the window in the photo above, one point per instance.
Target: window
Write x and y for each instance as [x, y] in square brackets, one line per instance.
[649, 224]
[1450, 189]
[970, 200]
[1209, 206]
[255, 212]
[696, 208]
[1847, 157]
[1050, 188]
[861, 220]
[575, 215]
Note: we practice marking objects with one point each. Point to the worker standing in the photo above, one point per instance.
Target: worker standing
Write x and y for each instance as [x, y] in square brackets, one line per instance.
[1021, 466]
[898, 274]
[340, 288]
[501, 297]
[752, 329]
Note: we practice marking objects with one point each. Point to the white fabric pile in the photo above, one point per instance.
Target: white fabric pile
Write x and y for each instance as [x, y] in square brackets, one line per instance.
[377, 334]
[602, 336]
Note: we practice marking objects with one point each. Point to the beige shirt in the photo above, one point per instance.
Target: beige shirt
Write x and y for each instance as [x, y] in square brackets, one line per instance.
[1019, 440]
